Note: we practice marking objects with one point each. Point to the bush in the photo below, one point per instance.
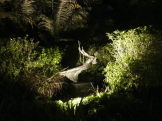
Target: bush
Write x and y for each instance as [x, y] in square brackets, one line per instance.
[23, 62]
[15, 54]
[47, 63]
[137, 54]
[105, 55]
[21, 55]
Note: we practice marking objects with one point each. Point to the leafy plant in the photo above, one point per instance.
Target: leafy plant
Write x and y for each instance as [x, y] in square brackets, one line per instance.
[48, 62]
[70, 12]
[45, 23]
[21, 62]
[15, 54]
[20, 55]
[105, 55]
[137, 54]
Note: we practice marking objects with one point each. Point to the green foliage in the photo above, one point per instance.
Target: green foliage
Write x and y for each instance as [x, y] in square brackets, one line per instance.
[20, 55]
[137, 54]
[15, 54]
[105, 55]
[103, 107]
[47, 63]
[23, 61]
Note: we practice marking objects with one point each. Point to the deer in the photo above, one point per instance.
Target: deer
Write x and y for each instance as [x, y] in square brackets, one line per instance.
[73, 73]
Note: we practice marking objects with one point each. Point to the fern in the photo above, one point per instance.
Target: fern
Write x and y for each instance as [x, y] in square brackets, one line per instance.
[27, 7]
[26, 12]
[46, 23]
[69, 14]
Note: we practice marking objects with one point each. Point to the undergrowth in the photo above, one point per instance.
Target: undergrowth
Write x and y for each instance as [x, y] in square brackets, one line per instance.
[135, 65]
[23, 61]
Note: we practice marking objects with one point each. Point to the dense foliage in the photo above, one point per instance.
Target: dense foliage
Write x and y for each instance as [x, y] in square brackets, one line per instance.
[21, 55]
[137, 54]
[15, 54]
[39, 39]
[23, 61]
[132, 74]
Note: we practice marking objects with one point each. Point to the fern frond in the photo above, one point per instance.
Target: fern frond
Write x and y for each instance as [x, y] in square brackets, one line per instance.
[46, 23]
[26, 12]
[27, 20]
[27, 7]
[67, 11]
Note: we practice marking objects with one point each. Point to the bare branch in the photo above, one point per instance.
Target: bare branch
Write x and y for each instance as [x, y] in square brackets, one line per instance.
[83, 52]
[73, 73]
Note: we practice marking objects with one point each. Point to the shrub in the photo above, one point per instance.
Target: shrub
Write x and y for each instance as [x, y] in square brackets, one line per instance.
[137, 54]
[21, 55]
[105, 55]
[47, 63]
[23, 61]
[15, 54]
